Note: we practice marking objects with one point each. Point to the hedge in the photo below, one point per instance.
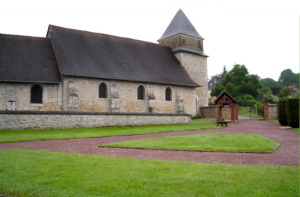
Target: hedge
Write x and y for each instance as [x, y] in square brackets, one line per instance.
[292, 112]
[281, 107]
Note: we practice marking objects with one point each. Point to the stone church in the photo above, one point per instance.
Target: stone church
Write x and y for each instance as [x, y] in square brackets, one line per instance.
[81, 71]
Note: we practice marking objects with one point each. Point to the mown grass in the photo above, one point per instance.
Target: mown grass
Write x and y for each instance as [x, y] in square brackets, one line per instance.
[204, 142]
[55, 134]
[276, 121]
[244, 111]
[296, 129]
[41, 173]
[273, 121]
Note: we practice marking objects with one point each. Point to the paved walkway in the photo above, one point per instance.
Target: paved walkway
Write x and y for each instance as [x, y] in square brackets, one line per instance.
[287, 154]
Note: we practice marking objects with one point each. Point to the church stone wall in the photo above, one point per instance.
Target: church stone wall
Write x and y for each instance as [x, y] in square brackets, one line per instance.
[82, 95]
[196, 67]
[124, 96]
[16, 96]
[183, 41]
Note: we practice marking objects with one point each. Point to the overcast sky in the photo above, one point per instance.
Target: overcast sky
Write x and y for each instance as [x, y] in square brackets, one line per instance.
[261, 34]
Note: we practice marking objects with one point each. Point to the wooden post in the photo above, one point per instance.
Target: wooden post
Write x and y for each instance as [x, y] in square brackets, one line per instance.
[233, 113]
[219, 110]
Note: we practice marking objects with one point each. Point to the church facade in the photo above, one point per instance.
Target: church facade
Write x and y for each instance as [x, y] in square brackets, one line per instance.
[80, 71]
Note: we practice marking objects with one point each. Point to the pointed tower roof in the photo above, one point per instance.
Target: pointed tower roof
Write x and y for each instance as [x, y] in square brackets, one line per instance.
[180, 25]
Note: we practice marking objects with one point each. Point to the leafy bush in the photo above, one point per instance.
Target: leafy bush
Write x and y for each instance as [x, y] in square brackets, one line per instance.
[270, 98]
[197, 117]
[292, 112]
[260, 107]
[282, 112]
[249, 98]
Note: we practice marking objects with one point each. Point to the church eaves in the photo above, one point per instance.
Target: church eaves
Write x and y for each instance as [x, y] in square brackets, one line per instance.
[180, 25]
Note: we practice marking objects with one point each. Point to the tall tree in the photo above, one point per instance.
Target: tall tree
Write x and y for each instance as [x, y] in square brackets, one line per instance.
[224, 72]
[272, 84]
[288, 78]
[286, 92]
[238, 82]
[268, 82]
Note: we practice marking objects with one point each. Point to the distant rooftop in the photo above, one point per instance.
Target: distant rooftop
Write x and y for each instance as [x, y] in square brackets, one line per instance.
[180, 25]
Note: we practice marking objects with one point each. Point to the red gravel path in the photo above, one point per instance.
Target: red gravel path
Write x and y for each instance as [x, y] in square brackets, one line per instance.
[287, 154]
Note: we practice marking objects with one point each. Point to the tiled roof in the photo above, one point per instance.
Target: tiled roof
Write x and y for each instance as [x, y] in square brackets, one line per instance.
[95, 55]
[27, 59]
[180, 25]
[223, 94]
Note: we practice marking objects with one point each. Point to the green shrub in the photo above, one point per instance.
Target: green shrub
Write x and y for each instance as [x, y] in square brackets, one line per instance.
[292, 112]
[282, 112]
[197, 117]
[260, 107]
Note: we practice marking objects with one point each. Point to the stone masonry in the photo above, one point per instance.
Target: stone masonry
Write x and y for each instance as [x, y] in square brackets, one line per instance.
[19, 94]
[47, 120]
[81, 94]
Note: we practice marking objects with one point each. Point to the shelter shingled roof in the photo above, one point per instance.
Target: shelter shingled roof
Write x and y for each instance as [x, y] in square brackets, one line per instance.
[27, 59]
[225, 93]
[86, 54]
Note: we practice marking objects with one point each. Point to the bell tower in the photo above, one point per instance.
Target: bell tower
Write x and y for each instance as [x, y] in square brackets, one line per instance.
[187, 46]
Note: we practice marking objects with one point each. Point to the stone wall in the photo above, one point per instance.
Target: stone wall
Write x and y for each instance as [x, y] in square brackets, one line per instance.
[183, 41]
[196, 67]
[270, 111]
[194, 62]
[212, 112]
[125, 95]
[45, 120]
[82, 94]
[18, 96]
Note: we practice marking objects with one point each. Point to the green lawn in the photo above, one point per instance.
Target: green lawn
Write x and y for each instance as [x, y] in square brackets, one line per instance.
[273, 120]
[276, 121]
[295, 129]
[42, 173]
[244, 111]
[53, 134]
[204, 142]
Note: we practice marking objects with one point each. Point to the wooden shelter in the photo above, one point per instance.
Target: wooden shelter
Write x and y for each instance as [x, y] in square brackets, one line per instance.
[226, 99]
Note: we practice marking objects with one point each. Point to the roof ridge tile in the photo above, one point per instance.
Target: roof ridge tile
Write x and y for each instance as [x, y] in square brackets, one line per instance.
[25, 36]
[104, 34]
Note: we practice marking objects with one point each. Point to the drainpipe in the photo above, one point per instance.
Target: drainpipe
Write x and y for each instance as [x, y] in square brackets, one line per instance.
[62, 93]
[196, 105]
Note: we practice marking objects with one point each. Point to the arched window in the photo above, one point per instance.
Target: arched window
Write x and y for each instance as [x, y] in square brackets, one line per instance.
[102, 90]
[36, 94]
[168, 94]
[141, 93]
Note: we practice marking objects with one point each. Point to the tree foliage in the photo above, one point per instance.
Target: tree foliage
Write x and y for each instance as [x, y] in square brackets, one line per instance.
[286, 92]
[288, 78]
[268, 82]
[270, 98]
[238, 82]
